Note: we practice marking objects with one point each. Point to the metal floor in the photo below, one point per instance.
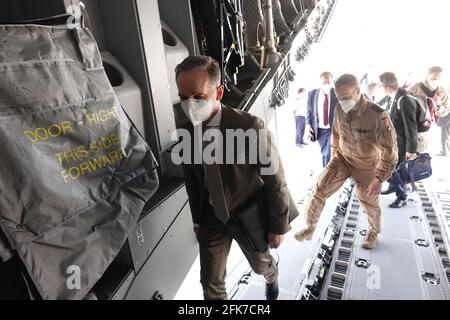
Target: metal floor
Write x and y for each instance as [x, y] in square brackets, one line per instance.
[410, 262]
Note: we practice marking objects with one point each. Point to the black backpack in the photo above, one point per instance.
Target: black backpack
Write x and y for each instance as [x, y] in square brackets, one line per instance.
[426, 111]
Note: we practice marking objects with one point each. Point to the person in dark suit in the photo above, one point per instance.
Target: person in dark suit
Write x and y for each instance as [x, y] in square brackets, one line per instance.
[320, 114]
[220, 193]
[403, 112]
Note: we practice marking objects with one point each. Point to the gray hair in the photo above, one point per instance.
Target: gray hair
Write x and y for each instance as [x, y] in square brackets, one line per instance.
[389, 79]
[204, 63]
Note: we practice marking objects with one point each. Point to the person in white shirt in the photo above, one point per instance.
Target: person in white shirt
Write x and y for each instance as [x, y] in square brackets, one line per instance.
[299, 110]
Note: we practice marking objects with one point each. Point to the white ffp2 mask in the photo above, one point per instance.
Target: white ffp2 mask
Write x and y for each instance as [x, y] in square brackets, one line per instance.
[347, 105]
[197, 110]
[433, 84]
[326, 88]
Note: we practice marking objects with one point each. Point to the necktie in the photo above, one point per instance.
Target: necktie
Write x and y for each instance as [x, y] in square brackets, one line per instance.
[389, 100]
[325, 110]
[216, 193]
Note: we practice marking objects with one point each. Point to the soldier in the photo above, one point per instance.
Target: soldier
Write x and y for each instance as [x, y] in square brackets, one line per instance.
[363, 147]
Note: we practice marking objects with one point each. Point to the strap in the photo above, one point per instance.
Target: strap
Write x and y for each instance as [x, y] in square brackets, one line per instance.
[411, 176]
[398, 103]
[427, 91]
[398, 181]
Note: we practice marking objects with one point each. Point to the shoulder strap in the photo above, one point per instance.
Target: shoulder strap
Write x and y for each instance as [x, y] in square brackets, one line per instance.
[411, 98]
[427, 91]
[398, 102]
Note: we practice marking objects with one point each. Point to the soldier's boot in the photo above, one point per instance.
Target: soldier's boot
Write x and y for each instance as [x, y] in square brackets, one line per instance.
[305, 234]
[370, 241]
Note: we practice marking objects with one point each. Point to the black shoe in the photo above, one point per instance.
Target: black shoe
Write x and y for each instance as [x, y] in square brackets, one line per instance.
[272, 290]
[389, 190]
[398, 203]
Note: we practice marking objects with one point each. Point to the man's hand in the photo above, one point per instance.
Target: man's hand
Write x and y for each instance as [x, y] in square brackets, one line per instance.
[411, 156]
[275, 240]
[374, 188]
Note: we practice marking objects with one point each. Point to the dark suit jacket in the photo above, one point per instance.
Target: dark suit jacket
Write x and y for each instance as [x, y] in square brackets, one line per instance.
[403, 118]
[312, 117]
[241, 182]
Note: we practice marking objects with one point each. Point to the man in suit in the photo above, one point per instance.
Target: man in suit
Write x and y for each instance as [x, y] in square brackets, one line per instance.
[403, 113]
[321, 104]
[220, 193]
[363, 147]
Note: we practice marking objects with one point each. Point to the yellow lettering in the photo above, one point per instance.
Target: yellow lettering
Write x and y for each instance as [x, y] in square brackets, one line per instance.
[115, 139]
[106, 161]
[70, 156]
[91, 119]
[41, 133]
[59, 157]
[114, 156]
[94, 147]
[67, 127]
[103, 116]
[85, 167]
[82, 152]
[112, 113]
[56, 130]
[95, 164]
[106, 142]
[65, 176]
[74, 173]
[31, 136]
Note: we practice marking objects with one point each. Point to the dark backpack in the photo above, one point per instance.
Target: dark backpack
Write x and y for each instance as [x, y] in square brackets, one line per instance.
[426, 113]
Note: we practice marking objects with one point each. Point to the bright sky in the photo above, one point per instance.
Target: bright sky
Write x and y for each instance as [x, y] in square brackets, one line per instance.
[375, 36]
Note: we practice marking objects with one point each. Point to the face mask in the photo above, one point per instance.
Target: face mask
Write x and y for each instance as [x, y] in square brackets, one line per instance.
[433, 84]
[347, 105]
[197, 110]
[326, 87]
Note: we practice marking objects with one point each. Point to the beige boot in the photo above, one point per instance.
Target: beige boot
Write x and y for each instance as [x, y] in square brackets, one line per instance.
[370, 241]
[305, 234]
